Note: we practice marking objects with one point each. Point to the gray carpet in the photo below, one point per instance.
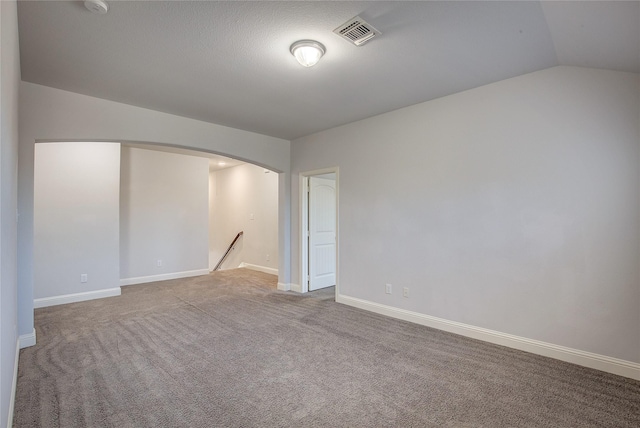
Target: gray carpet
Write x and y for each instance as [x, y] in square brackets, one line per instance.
[228, 350]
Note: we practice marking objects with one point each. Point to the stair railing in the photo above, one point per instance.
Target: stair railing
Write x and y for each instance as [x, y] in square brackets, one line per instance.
[228, 250]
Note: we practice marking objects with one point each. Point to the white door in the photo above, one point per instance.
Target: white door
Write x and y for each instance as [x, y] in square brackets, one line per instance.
[322, 233]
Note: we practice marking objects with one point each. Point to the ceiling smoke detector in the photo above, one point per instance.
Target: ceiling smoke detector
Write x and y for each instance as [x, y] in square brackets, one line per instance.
[357, 31]
[97, 6]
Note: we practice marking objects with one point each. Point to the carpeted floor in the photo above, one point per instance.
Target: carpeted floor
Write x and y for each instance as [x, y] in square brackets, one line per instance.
[228, 350]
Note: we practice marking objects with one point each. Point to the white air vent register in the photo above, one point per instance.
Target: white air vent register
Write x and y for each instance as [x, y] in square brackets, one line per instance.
[357, 31]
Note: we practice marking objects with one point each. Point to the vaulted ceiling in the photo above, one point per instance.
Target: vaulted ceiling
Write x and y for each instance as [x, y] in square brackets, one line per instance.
[229, 62]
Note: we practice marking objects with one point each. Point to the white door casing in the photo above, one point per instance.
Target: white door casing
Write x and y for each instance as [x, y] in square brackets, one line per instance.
[322, 233]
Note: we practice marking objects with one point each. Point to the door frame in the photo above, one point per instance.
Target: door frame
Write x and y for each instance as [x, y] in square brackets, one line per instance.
[304, 226]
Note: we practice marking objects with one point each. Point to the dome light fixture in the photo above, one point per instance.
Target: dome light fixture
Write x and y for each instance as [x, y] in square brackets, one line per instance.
[307, 52]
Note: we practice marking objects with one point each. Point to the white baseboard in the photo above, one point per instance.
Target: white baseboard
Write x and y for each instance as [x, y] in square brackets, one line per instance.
[76, 297]
[26, 340]
[296, 287]
[14, 385]
[583, 358]
[264, 269]
[163, 277]
[284, 287]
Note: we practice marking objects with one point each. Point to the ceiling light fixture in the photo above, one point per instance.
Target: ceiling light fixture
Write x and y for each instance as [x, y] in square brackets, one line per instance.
[97, 6]
[307, 52]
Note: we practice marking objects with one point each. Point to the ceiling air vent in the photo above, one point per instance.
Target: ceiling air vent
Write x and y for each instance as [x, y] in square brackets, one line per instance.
[357, 31]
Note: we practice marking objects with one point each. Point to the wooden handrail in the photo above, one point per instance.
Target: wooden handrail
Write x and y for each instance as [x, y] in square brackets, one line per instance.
[228, 250]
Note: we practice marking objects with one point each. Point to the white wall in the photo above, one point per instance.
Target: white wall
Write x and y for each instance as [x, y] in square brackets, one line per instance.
[9, 86]
[163, 214]
[76, 218]
[512, 207]
[244, 198]
[212, 219]
[48, 114]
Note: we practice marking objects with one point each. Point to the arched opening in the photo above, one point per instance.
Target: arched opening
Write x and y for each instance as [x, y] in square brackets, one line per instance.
[109, 214]
[53, 115]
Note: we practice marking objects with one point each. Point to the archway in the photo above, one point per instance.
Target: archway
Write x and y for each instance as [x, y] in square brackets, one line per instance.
[52, 115]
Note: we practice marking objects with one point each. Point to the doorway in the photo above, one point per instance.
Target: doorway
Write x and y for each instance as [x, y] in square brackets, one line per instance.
[319, 232]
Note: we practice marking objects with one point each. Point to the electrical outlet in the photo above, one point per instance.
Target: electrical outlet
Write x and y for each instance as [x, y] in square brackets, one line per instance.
[268, 258]
[388, 289]
[159, 263]
[84, 277]
[405, 292]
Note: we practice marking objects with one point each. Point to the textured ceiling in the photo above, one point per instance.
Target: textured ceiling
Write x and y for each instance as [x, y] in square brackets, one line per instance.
[229, 62]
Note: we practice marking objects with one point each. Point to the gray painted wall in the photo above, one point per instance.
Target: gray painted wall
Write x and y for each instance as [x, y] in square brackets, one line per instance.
[76, 218]
[513, 207]
[9, 87]
[163, 213]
